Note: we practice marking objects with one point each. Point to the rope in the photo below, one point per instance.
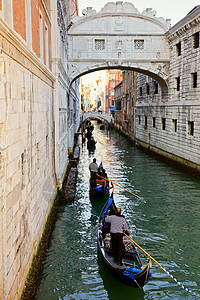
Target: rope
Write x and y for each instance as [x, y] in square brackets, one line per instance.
[179, 283]
[120, 186]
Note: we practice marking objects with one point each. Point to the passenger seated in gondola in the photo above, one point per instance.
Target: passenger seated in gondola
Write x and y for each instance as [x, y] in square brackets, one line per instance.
[100, 169]
[104, 173]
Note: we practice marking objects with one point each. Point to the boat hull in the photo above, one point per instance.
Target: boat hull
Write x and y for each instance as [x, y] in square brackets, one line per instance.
[131, 260]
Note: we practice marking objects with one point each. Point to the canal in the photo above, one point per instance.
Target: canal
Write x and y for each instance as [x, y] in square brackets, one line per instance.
[165, 222]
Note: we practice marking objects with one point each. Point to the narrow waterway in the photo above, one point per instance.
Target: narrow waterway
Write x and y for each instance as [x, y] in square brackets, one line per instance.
[165, 222]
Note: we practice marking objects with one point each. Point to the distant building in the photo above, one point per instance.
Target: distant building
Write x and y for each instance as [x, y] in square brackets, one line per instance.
[125, 95]
[113, 77]
[85, 98]
[92, 95]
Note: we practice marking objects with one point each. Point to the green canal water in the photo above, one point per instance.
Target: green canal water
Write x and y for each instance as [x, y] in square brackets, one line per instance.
[165, 222]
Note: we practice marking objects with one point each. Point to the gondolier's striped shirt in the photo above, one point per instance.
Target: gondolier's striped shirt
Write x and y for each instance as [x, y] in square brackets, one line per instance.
[118, 223]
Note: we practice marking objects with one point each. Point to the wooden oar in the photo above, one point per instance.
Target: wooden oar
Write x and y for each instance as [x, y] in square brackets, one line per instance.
[120, 186]
[178, 282]
[143, 250]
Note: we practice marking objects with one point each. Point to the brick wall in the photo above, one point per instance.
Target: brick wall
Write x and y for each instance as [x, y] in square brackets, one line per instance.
[19, 20]
[35, 27]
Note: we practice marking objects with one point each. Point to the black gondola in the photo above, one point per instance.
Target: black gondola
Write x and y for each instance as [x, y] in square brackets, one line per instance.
[132, 272]
[99, 187]
[100, 184]
[91, 144]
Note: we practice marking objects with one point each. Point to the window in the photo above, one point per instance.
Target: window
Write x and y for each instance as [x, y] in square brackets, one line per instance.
[163, 123]
[112, 93]
[118, 105]
[154, 122]
[41, 37]
[155, 87]
[140, 91]
[99, 44]
[194, 80]
[174, 125]
[46, 46]
[139, 120]
[112, 102]
[147, 89]
[196, 40]
[138, 44]
[191, 127]
[178, 49]
[28, 23]
[145, 122]
[178, 83]
[112, 84]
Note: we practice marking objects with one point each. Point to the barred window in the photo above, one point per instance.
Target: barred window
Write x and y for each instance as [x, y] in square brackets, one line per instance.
[99, 44]
[147, 89]
[194, 80]
[155, 87]
[196, 40]
[163, 123]
[174, 125]
[191, 127]
[178, 48]
[138, 44]
[154, 122]
[145, 122]
[178, 81]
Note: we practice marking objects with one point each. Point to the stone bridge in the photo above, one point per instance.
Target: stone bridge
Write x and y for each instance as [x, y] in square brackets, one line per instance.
[119, 37]
[98, 115]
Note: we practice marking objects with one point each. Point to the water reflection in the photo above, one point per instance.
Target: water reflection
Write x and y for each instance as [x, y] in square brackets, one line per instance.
[164, 221]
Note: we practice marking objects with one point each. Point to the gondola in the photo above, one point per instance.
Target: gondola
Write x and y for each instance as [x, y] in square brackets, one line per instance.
[100, 184]
[132, 272]
[99, 187]
[91, 144]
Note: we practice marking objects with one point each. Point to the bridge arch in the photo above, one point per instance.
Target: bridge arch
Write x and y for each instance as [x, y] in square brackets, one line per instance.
[98, 115]
[119, 37]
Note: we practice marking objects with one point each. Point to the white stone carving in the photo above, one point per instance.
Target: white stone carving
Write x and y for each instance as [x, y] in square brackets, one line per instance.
[118, 35]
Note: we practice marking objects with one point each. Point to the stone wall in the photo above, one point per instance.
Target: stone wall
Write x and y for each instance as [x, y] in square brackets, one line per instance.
[27, 172]
[172, 125]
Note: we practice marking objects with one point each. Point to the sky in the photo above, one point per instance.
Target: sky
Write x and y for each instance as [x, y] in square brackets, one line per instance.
[170, 9]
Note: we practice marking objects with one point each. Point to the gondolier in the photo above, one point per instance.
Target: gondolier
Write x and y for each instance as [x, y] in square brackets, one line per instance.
[132, 272]
[93, 167]
[118, 226]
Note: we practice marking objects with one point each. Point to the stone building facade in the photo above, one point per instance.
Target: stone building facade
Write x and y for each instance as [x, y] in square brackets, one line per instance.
[125, 96]
[37, 109]
[168, 125]
[171, 126]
